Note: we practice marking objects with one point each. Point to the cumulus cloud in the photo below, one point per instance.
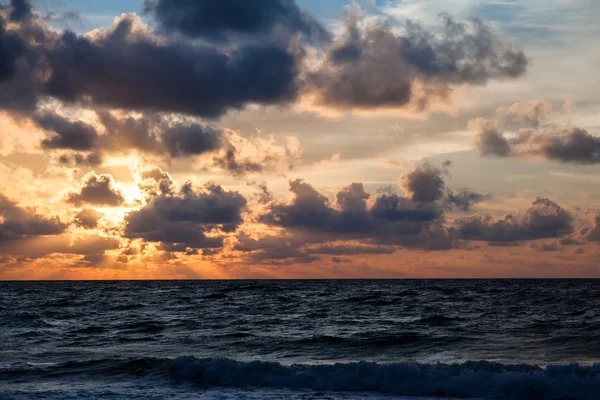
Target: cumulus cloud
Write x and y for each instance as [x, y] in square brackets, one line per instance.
[97, 190]
[22, 223]
[374, 65]
[519, 131]
[196, 219]
[544, 219]
[390, 220]
[425, 184]
[67, 134]
[131, 69]
[87, 218]
[155, 181]
[220, 20]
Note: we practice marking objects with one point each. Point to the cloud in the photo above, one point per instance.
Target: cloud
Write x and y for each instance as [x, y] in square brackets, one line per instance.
[390, 220]
[97, 190]
[91, 247]
[263, 194]
[273, 250]
[424, 183]
[593, 234]
[155, 181]
[328, 163]
[529, 114]
[519, 131]
[194, 219]
[340, 260]
[251, 156]
[544, 219]
[129, 68]
[87, 218]
[349, 249]
[12, 48]
[193, 139]
[221, 20]
[168, 137]
[464, 199]
[372, 65]
[490, 140]
[68, 134]
[21, 10]
[22, 223]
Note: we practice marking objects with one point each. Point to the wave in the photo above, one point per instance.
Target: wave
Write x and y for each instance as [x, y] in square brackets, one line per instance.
[480, 379]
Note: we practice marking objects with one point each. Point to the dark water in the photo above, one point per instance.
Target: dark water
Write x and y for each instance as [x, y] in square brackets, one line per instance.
[496, 339]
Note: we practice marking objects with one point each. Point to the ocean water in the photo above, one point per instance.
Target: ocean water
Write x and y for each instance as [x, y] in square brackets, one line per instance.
[390, 339]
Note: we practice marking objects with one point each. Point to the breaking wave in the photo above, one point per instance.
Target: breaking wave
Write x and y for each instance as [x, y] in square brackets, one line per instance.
[480, 379]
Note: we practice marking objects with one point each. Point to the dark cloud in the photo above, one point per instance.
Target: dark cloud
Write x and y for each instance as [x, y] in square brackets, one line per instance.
[520, 130]
[87, 218]
[194, 219]
[68, 134]
[463, 199]
[374, 66]
[12, 48]
[21, 10]
[309, 209]
[129, 69]
[97, 190]
[191, 139]
[390, 220]
[570, 145]
[396, 208]
[219, 20]
[154, 135]
[593, 234]
[21, 223]
[424, 183]
[544, 219]
[490, 140]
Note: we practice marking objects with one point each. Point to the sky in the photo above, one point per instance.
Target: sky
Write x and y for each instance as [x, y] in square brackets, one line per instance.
[196, 139]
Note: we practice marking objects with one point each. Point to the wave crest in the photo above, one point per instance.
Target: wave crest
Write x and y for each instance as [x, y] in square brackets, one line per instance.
[480, 379]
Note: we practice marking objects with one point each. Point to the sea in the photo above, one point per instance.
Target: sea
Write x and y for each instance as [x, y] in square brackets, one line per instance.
[300, 339]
